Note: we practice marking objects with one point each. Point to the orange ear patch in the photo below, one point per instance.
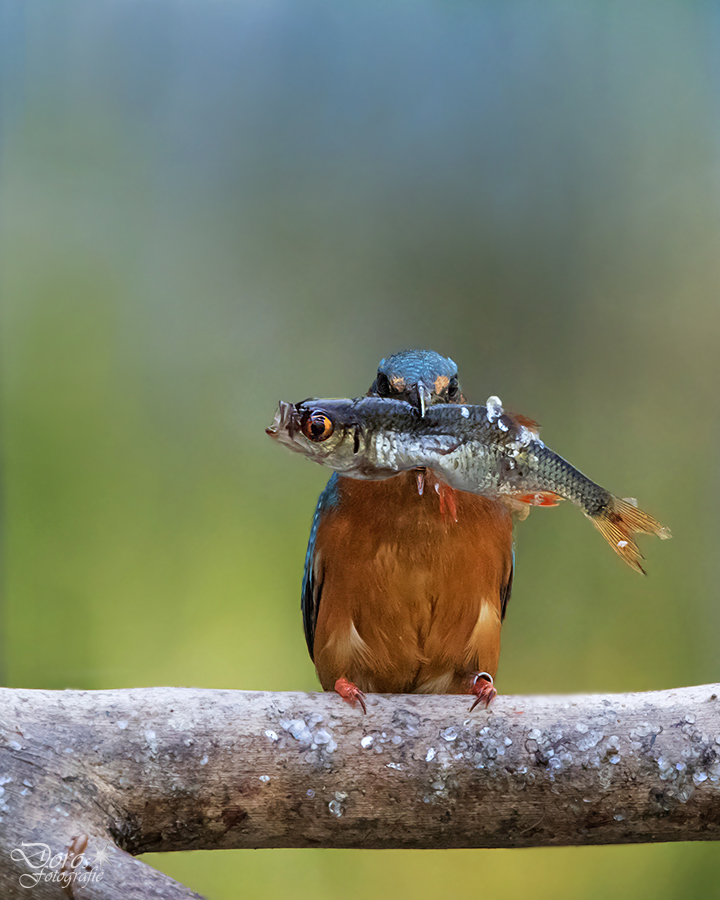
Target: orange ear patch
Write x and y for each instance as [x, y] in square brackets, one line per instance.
[441, 383]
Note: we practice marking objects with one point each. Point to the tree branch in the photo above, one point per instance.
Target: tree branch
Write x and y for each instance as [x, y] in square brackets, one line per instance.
[117, 773]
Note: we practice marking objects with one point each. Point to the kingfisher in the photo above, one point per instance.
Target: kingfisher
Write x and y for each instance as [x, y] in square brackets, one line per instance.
[406, 580]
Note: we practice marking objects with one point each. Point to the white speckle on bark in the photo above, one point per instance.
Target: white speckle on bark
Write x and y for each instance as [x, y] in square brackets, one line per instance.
[589, 741]
[152, 743]
[645, 729]
[298, 729]
[179, 721]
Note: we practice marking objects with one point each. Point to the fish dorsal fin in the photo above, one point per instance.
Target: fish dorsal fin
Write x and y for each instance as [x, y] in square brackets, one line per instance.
[526, 422]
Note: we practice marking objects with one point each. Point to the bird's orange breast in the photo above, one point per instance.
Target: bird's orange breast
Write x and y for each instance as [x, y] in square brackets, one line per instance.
[412, 586]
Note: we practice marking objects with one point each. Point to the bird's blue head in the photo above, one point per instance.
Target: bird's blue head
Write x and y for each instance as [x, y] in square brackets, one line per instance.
[420, 377]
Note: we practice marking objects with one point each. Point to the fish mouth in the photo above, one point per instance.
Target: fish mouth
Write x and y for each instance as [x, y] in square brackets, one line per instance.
[284, 421]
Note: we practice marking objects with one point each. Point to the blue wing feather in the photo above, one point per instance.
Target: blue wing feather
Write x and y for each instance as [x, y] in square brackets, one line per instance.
[506, 589]
[312, 586]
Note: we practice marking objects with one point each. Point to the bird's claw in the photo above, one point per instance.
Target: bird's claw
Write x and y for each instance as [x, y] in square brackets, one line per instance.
[350, 693]
[483, 688]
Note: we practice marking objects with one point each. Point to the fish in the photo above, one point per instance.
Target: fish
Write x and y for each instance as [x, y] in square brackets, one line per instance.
[479, 449]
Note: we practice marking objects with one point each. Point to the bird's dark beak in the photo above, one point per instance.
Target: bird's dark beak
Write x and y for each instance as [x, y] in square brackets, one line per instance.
[420, 395]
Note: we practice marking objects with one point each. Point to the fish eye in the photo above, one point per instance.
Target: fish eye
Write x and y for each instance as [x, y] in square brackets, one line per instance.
[453, 388]
[317, 427]
[382, 384]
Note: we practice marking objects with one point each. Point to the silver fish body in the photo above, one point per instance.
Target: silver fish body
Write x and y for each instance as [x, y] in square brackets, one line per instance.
[479, 449]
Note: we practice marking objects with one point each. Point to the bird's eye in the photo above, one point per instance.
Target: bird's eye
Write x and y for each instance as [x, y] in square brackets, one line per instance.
[317, 427]
[382, 384]
[454, 388]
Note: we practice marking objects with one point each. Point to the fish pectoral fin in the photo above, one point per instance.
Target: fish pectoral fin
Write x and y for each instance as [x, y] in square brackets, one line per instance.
[448, 506]
[539, 498]
[442, 445]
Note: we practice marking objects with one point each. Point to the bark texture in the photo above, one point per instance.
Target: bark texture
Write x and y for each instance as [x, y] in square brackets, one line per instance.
[89, 779]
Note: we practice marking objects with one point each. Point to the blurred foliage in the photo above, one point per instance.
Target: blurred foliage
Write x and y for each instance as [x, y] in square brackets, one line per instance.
[208, 206]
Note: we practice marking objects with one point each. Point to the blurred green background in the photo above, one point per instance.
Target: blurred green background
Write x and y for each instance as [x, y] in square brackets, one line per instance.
[207, 206]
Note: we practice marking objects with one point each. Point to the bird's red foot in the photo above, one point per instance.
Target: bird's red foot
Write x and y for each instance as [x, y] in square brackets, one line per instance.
[350, 693]
[483, 689]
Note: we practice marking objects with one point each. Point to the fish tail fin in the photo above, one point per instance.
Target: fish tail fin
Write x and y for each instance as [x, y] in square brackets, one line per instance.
[619, 520]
